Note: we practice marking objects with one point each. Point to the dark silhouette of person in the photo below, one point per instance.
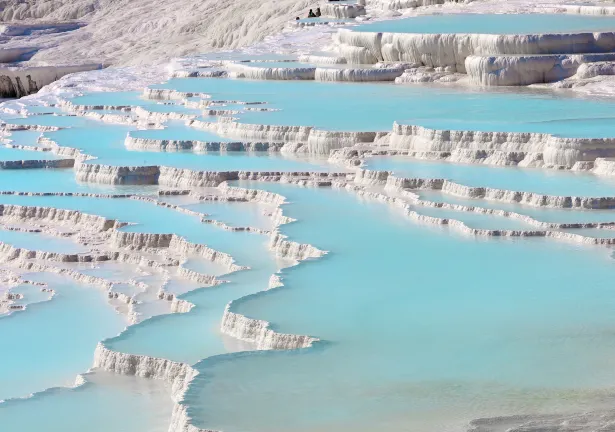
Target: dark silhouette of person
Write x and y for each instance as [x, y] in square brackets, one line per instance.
[311, 14]
[318, 12]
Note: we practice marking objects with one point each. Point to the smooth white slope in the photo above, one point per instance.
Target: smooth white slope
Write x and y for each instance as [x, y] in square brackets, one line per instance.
[131, 32]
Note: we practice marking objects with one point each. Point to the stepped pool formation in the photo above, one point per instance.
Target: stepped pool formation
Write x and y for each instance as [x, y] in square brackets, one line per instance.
[408, 229]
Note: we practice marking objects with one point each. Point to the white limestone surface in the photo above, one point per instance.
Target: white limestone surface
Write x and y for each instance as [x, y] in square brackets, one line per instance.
[358, 74]
[23, 80]
[333, 10]
[442, 50]
[520, 70]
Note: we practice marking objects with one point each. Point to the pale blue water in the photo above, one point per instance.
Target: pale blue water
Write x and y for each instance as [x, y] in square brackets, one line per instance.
[179, 330]
[592, 232]
[10, 154]
[32, 294]
[422, 330]
[109, 403]
[550, 182]
[145, 338]
[203, 321]
[179, 131]
[342, 106]
[39, 109]
[235, 214]
[494, 24]
[59, 180]
[106, 143]
[113, 99]
[541, 214]
[476, 220]
[168, 108]
[26, 137]
[42, 242]
[50, 120]
[61, 335]
[150, 218]
[418, 338]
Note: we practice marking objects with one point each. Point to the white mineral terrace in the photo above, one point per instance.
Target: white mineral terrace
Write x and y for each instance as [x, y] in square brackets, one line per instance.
[196, 221]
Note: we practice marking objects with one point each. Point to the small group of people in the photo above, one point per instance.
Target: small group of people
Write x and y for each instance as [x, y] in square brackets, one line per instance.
[312, 14]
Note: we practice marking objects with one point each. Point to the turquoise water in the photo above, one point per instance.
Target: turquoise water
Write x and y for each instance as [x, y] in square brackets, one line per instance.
[179, 330]
[61, 335]
[235, 214]
[476, 220]
[550, 182]
[59, 180]
[494, 24]
[168, 108]
[106, 143]
[37, 241]
[39, 109]
[113, 99]
[107, 403]
[592, 232]
[32, 294]
[413, 346]
[179, 131]
[201, 324]
[342, 106]
[541, 214]
[10, 154]
[50, 120]
[148, 217]
[28, 138]
[422, 329]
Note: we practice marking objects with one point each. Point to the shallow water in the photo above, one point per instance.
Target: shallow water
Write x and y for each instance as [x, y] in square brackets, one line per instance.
[38, 109]
[106, 143]
[39, 241]
[108, 402]
[179, 131]
[235, 214]
[26, 137]
[10, 154]
[422, 328]
[61, 334]
[341, 106]
[494, 24]
[592, 232]
[550, 182]
[406, 343]
[541, 214]
[476, 220]
[50, 120]
[113, 99]
[59, 180]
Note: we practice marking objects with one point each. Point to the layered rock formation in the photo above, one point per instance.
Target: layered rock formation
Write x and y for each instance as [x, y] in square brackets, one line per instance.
[21, 81]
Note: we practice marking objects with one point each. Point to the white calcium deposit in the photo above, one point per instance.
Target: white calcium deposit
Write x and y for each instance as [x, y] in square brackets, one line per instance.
[358, 74]
[239, 70]
[442, 50]
[505, 148]
[24, 80]
[503, 70]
